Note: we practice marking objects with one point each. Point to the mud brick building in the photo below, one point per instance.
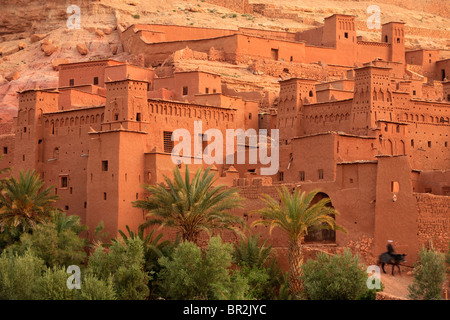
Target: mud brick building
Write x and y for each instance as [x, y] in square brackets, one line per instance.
[376, 141]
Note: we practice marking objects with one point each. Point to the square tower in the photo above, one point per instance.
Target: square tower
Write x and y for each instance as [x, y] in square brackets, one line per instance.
[372, 99]
[29, 127]
[394, 34]
[339, 30]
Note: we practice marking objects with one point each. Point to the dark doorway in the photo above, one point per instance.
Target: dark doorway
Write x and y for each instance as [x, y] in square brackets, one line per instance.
[324, 235]
[443, 74]
[274, 53]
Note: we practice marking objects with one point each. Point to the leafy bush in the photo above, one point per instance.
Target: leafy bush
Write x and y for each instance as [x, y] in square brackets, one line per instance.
[338, 277]
[259, 267]
[9, 236]
[429, 275]
[56, 246]
[125, 264]
[19, 275]
[93, 288]
[371, 294]
[52, 285]
[192, 274]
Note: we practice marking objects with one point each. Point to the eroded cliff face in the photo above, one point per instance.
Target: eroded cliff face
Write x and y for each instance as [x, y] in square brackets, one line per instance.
[34, 37]
[21, 18]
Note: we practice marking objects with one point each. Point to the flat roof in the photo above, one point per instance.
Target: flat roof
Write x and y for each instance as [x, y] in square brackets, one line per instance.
[339, 133]
[74, 109]
[358, 162]
[390, 121]
[189, 103]
[91, 61]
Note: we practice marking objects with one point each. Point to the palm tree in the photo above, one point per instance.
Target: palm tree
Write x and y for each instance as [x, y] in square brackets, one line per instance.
[191, 206]
[294, 216]
[251, 253]
[24, 203]
[64, 222]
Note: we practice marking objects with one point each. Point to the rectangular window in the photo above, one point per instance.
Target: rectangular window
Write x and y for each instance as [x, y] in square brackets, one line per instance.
[5, 150]
[104, 195]
[320, 174]
[71, 82]
[395, 187]
[302, 175]
[168, 143]
[429, 144]
[207, 90]
[281, 175]
[203, 139]
[105, 165]
[346, 35]
[185, 91]
[64, 182]
[412, 142]
[95, 80]
[138, 116]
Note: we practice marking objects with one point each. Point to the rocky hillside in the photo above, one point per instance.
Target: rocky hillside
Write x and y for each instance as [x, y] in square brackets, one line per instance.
[35, 38]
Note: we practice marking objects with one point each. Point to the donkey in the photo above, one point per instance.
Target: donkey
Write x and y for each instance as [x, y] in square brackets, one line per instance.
[394, 259]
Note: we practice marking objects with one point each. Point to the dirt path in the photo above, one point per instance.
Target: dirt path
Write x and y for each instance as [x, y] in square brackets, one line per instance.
[396, 285]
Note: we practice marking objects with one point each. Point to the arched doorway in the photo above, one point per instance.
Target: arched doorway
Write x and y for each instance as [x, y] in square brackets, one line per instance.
[323, 235]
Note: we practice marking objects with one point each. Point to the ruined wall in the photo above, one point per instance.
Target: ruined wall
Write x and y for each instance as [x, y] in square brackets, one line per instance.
[433, 220]
[241, 6]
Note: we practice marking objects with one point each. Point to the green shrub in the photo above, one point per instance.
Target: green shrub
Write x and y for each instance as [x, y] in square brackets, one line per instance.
[52, 285]
[338, 277]
[19, 275]
[259, 267]
[8, 237]
[429, 275]
[93, 288]
[192, 274]
[61, 247]
[371, 294]
[125, 264]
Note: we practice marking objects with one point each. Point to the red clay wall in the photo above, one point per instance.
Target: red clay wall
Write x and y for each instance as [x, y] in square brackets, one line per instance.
[433, 221]
[396, 220]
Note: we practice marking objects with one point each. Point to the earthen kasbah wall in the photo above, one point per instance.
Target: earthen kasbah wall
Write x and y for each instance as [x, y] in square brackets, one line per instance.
[433, 220]
[241, 6]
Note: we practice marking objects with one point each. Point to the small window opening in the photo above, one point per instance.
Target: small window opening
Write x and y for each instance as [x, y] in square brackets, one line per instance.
[320, 174]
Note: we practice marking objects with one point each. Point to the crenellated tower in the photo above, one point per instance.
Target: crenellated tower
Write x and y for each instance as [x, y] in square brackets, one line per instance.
[29, 143]
[372, 99]
[394, 34]
[126, 104]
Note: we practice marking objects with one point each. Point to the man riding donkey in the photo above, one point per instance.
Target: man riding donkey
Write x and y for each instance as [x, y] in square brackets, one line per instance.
[390, 257]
